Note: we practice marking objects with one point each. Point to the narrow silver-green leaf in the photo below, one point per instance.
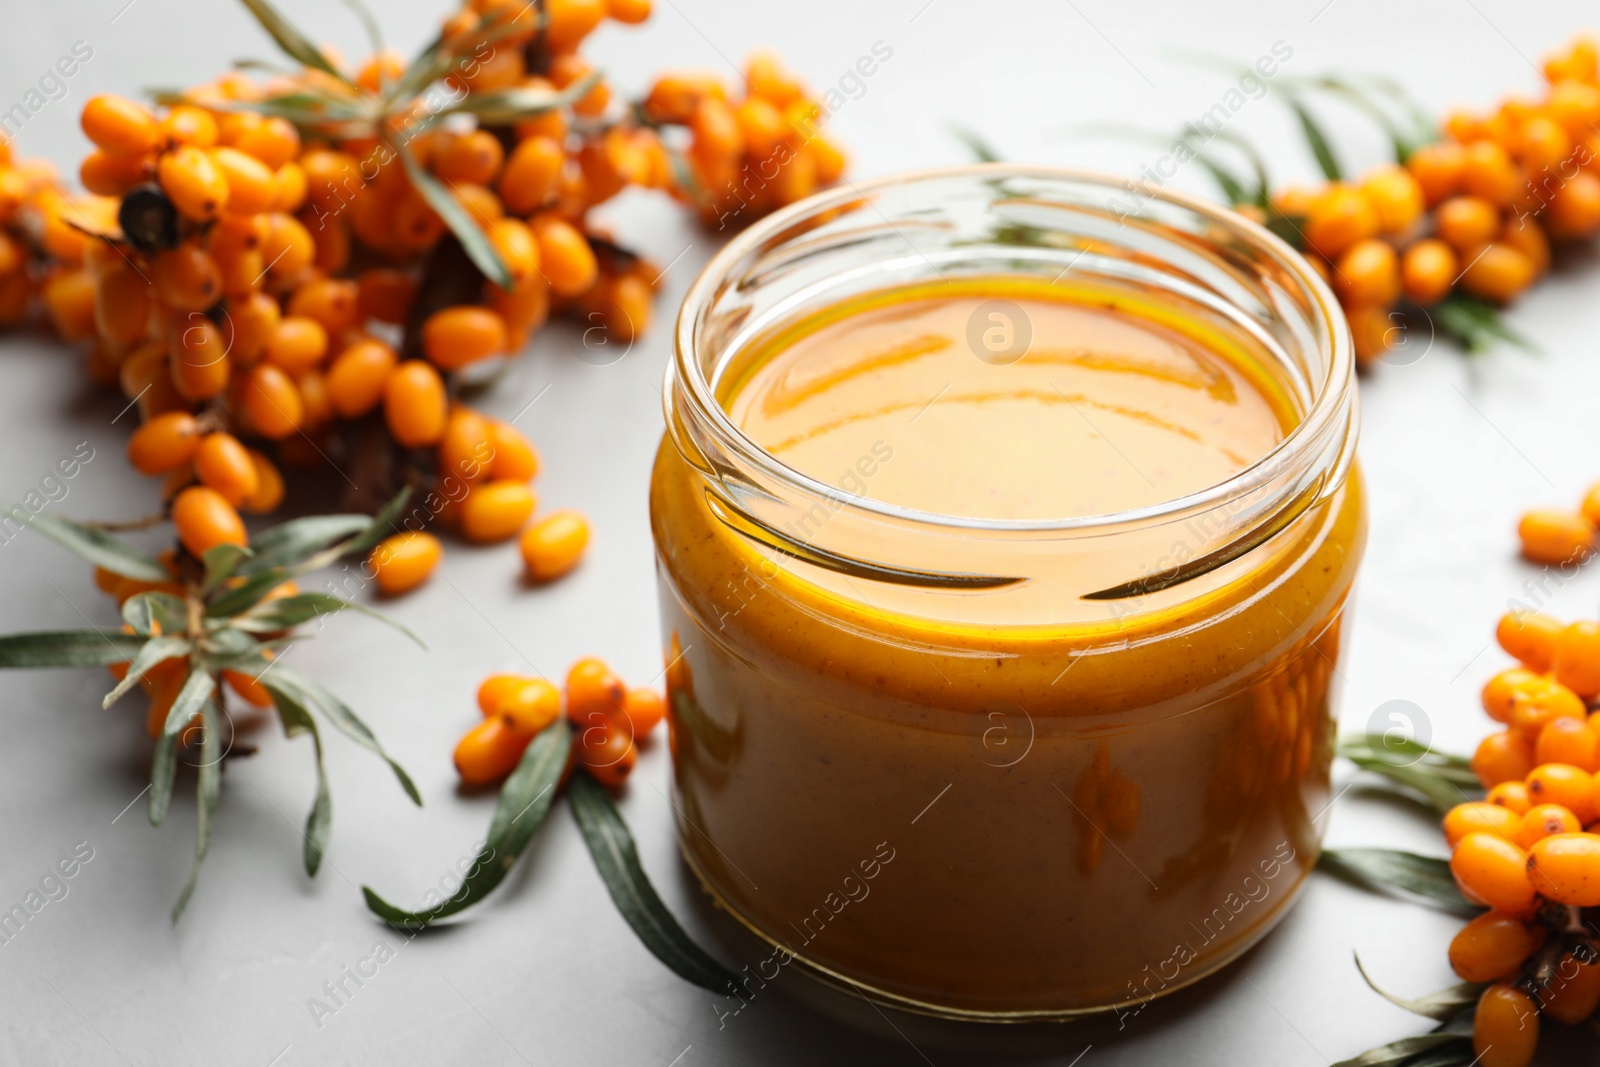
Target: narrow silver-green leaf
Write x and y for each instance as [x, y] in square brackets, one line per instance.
[294, 541]
[154, 651]
[525, 800]
[296, 45]
[1440, 792]
[1400, 1052]
[229, 602]
[221, 561]
[316, 697]
[196, 692]
[508, 106]
[296, 720]
[1440, 1007]
[617, 860]
[96, 546]
[1426, 877]
[68, 648]
[145, 611]
[290, 611]
[461, 223]
[1315, 138]
[207, 786]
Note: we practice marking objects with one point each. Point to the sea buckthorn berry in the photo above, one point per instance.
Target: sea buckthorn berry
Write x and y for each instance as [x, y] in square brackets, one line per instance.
[414, 222]
[490, 751]
[531, 705]
[332, 177]
[1512, 795]
[515, 458]
[1555, 537]
[297, 345]
[566, 258]
[496, 511]
[457, 336]
[1538, 705]
[274, 142]
[331, 302]
[1562, 783]
[269, 486]
[629, 11]
[517, 248]
[1494, 946]
[493, 691]
[249, 321]
[1528, 238]
[164, 443]
[1337, 218]
[1530, 636]
[290, 188]
[474, 157]
[1488, 172]
[252, 185]
[1502, 757]
[1574, 209]
[1505, 1028]
[142, 368]
[1466, 223]
[105, 174]
[1577, 658]
[1368, 274]
[404, 561]
[186, 278]
[1570, 741]
[380, 70]
[189, 125]
[1545, 146]
[205, 519]
[594, 693]
[199, 364]
[1497, 272]
[249, 687]
[357, 376]
[466, 449]
[554, 545]
[313, 390]
[1545, 820]
[529, 178]
[69, 300]
[287, 246]
[642, 710]
[607, 753]
[1491, 870]
[1566, 868]
[1591, 504]
[1500, 693]
[1395, 195]
[523, 309]
[414, 405]
[385, 294]
[194, 183]
[1437, 169]
[1427, 270]
[1479, 816]
[120, 126]
[223, 464]
[1574, 992]
[271, 402]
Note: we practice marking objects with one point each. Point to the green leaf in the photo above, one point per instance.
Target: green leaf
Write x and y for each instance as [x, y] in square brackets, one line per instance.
[975, 143]
[617, 860]
[290, 611]
[297, 720]
[313, 695]
[1405, 750]
[1475, 324]
[381, 525]
[230, 602]
[508, 106]
[296, 45]
[96, 546]
[1441, 793]
[1390, 869]
[1440, 1007]
[524, 802]
[467, 231]
[154, 651]
[1400, 1052]
[207, 786]
[68, 648]
[298, 540]
[145, 611]
[220, 561]
[197, 690]
[1318, 140]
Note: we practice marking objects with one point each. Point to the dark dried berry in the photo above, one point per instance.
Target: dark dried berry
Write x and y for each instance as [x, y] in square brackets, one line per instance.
[148, 219]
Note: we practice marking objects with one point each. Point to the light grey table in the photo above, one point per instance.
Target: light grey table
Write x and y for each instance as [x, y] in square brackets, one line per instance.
[546, 972]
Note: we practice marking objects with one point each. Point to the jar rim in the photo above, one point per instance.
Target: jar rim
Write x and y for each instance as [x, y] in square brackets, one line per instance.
[1333, 396]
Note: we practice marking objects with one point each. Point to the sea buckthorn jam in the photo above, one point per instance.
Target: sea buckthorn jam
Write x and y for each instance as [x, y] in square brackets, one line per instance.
[1003, 546]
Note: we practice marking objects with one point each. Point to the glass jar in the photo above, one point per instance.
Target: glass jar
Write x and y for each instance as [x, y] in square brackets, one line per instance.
[1005, 770]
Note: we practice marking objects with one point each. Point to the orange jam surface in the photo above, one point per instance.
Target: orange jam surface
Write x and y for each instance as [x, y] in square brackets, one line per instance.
[1014, 801]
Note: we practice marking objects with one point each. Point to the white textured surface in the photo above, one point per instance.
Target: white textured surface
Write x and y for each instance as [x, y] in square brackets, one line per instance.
[546, 972]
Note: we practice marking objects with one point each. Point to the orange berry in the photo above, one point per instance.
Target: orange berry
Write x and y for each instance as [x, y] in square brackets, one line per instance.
[473, 157]
[568, 22]
[1570, 741]
[1539, 704]
[1544, 821]
[457, 336]
[205, 519]
[1494, 946]
[385, 294]
[1530, 636]
[1512, 795]
[275, 142]
[1395, 195]
[629, 11]
[120, 126]
[1527, 237]
[189, 125]
[1497, 272]
[252, 185]
[1571, 787]
[291, 188]
[193, 182]
[1437, 169]
[287, 247]
[1502, 757]
[490, 751]
[514, 242]
[186, 278]
[1555, 537]
[250, 321]
[1368, 274]
[105, 174]
[1566, 868]
[224, 464]
[1338, 217]
[1491, 870]
[1427, 270]
[1500, 693]
[357, 376]
[530, 176]
[1488, 172]
[553, 546]
[414, 405]
[566, 259]
[404, 561]
[249, 687]
[1574, 992]
[334, 303]
[531, 704]
[1466, 223]
[269, 486]
[607, 753]
[164, 443]
[495, 689]
[199, 358]
[465, 450]
[514, 457]
[594, 693]
[297, 345]
[496, 511]
[271, 402]
[1505, 1028]
[1480, 816]
[642, 710]
[69, 300]
[1574, 209]
[1576, 660]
